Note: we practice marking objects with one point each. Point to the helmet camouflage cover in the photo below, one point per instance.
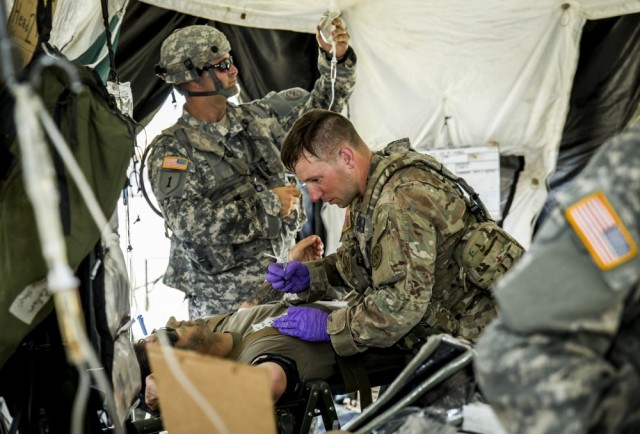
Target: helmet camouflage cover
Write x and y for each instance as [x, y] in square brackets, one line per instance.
[187, 49]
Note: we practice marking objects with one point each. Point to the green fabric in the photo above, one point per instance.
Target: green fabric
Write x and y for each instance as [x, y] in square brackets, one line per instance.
[102, 145]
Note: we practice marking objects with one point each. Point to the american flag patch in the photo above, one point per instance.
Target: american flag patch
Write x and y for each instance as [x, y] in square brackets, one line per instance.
[601, 230]
[175, 163]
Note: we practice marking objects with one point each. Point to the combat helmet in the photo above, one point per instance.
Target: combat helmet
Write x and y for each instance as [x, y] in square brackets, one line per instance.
[186, 51]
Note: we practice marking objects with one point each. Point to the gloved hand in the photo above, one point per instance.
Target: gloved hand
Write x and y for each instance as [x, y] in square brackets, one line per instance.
[305, 323]
[295, 278]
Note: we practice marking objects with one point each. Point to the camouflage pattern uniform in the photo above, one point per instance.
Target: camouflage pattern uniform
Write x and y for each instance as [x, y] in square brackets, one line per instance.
[213, 188]
[402, 253]
[564, 355]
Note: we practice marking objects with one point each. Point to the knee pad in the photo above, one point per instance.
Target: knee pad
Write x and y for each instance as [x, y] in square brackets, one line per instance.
[290, 369]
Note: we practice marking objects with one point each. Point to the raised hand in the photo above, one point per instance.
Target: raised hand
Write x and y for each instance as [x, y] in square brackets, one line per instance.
[289, 197]
[307, 249]
[339, 34]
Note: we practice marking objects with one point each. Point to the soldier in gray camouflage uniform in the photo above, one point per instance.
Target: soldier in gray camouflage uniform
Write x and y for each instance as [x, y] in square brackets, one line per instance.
[418, 254]
[217, 174]
[564, 355]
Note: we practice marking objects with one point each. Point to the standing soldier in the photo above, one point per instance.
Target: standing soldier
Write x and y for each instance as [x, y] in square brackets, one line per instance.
[217, 174]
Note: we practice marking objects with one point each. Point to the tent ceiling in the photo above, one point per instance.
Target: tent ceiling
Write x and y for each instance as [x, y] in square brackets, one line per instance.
[501, 72]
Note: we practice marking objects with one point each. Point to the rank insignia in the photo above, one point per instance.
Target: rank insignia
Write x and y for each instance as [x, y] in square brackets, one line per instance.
[376, 256]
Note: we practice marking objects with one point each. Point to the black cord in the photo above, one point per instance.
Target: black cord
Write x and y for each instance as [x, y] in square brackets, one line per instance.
[113, 75]
[142, 187]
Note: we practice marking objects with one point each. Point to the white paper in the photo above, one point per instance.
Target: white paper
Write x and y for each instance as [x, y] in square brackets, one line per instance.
[30, 301]
[480, 167]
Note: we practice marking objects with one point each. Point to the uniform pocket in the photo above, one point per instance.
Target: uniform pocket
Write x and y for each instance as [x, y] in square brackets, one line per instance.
[488, 253]
[213, 259]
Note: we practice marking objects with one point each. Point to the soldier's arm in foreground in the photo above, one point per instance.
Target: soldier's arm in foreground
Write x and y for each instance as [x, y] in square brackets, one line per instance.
[563, 355]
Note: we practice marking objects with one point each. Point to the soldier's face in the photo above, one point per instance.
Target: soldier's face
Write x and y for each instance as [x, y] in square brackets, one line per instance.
[224, 69]
[330, 180]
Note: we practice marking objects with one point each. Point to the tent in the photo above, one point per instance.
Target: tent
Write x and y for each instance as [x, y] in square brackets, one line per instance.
[500, 73]
[544, 81]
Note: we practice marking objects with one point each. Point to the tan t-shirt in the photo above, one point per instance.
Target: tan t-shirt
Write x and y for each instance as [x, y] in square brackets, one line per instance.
[315, 360]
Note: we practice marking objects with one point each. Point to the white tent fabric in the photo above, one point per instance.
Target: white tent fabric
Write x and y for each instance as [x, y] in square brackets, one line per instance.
[500, 71]
[76, 25]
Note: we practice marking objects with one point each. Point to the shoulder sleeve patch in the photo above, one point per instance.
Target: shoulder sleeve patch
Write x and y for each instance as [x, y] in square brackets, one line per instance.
[284, 101]
[602, 231]
[175, 163]
[171, 184]
[295, 93]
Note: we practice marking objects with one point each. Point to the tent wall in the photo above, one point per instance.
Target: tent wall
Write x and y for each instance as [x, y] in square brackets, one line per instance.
[502, 72]
[604, 97]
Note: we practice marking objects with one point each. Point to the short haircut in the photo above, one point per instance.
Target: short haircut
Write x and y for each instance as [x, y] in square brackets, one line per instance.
[321, 133]
[140, 350]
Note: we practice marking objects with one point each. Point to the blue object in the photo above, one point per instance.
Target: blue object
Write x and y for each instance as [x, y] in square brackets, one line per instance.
[142, 326]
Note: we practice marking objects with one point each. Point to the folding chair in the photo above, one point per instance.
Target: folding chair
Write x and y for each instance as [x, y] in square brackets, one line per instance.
[439, 359]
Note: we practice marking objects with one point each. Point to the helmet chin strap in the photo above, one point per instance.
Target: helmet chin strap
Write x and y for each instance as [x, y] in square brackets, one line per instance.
[220, 90]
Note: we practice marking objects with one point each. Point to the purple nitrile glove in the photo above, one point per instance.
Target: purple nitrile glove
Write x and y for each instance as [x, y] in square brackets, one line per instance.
[305, 323]
[295, 278]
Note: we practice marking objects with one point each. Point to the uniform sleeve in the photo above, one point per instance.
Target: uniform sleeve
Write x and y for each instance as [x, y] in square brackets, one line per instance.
[544, 383]
[403, 262]
[321, 95]
[325, 281]
[545, 364]
[192, 216]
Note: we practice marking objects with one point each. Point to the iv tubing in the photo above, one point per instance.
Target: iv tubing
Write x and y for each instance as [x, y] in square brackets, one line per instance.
[61, 282]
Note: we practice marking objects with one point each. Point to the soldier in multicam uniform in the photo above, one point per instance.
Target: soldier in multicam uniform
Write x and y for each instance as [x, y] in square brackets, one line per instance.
[217, 174]
[564, 355]
[418, 254]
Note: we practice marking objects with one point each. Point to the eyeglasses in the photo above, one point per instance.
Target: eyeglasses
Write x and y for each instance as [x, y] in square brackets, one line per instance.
[224, 65]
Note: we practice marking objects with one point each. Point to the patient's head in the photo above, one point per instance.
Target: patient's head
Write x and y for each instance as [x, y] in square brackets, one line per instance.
[196, 336]
[186, 335]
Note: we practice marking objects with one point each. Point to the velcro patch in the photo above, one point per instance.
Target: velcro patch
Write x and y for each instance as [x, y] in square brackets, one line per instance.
[601, 230]
[293, 94]
[175, 163]
[347, 221]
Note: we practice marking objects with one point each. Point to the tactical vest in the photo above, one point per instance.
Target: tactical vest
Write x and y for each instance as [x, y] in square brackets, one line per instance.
[237, 178]
[484, 253]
